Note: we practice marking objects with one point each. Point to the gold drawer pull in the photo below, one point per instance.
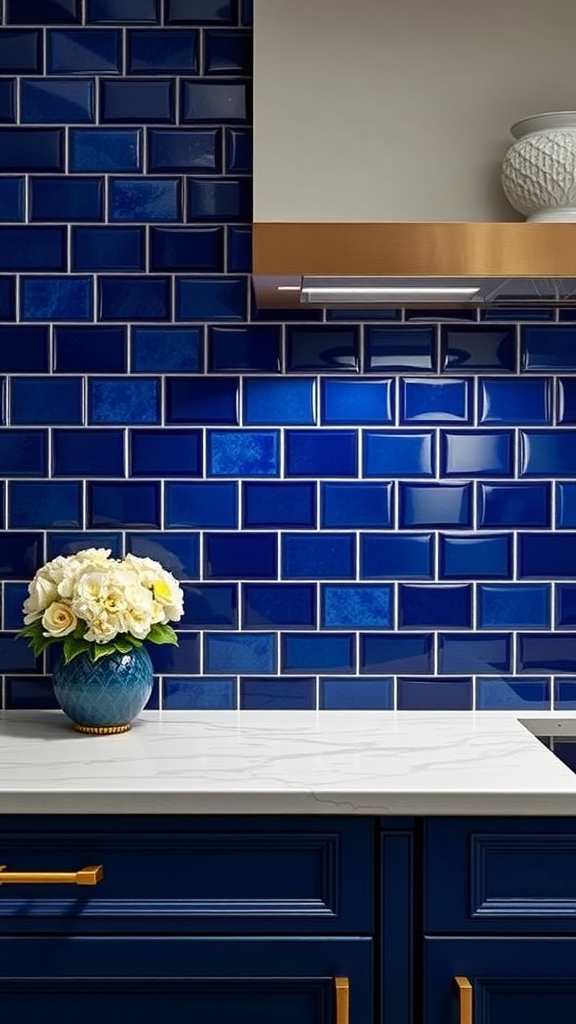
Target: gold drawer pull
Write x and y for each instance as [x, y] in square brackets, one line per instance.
[342, 1000]
[91, 875]
[465, 994]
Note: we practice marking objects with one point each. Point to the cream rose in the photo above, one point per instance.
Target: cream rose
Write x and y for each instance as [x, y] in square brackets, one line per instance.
[59, 620]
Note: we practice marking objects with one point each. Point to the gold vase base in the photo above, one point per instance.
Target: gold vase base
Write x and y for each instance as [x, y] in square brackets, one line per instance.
[101, 730]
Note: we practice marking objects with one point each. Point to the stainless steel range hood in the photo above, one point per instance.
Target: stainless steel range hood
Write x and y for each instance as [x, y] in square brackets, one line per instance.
[378, 139]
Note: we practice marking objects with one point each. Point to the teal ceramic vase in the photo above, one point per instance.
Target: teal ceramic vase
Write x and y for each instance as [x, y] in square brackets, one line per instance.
[104, 696]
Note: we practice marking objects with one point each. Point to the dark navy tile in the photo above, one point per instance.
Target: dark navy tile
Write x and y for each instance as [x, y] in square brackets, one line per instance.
[21, 51]
[548, 452]
[478, 348]
[154, 199]
[43, 12]
[219, 102]
[475, 653]
[14, 596]
[509, 694]
[310, 652]
[279, 504]
[23, 452]
[24, 349]
[28, 248]
[357, 401]
[137, 102]
[15, 655]
[21, 554]
[243, 453]
[244, 348]
[435, 694]
[199, 694]
[364, 315]
[351, 606]
[397, 653]
[325, 453]
[165, 452]
[328, 556]
[31, 149]
[49, 400]
[57, 101]
[211, 604]
[60, 543]
[434, 606]
[165, 51]
[89, 349]
[81, 51]
[396, 556]
[211, 298]
[356, 505]
[567, 400]
[166, 658]
[196, 150]
[546, 555]
[44, 505]
[176, 552]
[56, 298]
[356, 694]
[187, 248]
[397, 349]
[107, 248]
[8, 298]
[7, 101]
[549, 653]
[518, 313]
[436, 314]
[202, 12]
[475, 557]
[286, 400]
[398, 455]
[514, 505]
[123, 11]
[86, 452]
[247, 12]
[566, 506]
[209, 504]
[515, 401]
[237, 653]
[240, 556]
[434, 401]
[238, 158]
[435, 505]
[202, 400]
[227, 52]
[277, 694]
[105, 149]
[564, 694]
[278, 605]
[124, 505]
[222, 200]
[11, 199]
[123, 400]
[322, 348]
[134, 298]
[27, 693]
[548, 348]
[73, 198]
[239, 250]
[513, 606]
[478, 453]
[565, 606]
[166, 350]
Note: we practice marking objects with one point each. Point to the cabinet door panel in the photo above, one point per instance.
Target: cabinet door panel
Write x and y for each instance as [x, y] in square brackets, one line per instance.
[515, 981]
[206, 980]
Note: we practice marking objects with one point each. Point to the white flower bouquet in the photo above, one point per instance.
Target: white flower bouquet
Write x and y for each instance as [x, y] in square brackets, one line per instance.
[98, 605]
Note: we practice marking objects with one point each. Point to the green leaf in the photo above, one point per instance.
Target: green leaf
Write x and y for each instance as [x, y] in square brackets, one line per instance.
[122, 645]
[162, 635]
[73, 646]
[101, 650]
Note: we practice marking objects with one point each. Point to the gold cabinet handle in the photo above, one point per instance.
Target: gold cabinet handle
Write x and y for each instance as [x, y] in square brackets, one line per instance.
[91, 875]
[465, 992]
[342, 1000]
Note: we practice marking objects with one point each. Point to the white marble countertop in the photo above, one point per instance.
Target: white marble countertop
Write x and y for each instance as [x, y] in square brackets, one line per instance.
[258, 762]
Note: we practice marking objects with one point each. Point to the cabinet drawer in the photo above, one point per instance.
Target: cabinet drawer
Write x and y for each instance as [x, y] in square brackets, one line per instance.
[190, 874]
[497, 875]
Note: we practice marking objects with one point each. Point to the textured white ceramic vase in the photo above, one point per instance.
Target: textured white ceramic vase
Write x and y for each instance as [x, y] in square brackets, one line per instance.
[539, 170]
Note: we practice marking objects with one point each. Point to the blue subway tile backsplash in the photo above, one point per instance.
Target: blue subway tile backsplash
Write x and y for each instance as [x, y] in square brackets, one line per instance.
[367, 509]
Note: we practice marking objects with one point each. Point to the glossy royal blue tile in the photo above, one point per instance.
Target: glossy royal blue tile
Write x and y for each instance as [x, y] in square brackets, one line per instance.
[400, 349]
[478, 347]
[279, 504]
[23, 452]
[322, 348]
[277, 694]
[197, 150]
[146, 12]
[401, 653]
[88, 452]
[165, 452]
[434, 401]
[222, 200]
[436, 694]
[21, 554]
[202, 400]
[63, 543]
[311, 652]
[566, 506]
[434, 606]
[552, 654]
[356, 694]
[355, 505]
[105, 149]
[566, 399]
[209, 504]
[398, 454]
[57, 101]
[283, 400]
[356, 606]
[134, 298]
[357, 401]
[83, 51]
[396, 556]
[515, 401]
[512, 694]
[21, 51]
[478, 453]
[56, 298]
[475, 557]
[479, 653]
[203, 12]
[108, 248]
[180, 249]
[517, 504]
[44, 505]
[31, 149]
[514, 606]
[183, 694]
[211, 298]
[329, 453]
[564, 694]
[140, 101]
[7, 101]
[233, 556]
[123, 401]
[124, 505]
[239, 653]
[548, 453]
[27, 693]
[565, 612]
[32, 248]
[243, 453]
[435, 505]
[548, 349]
[212, 101]
[164, 51]
[546, 556]
[244, 348]
[278, 605]
[227, 52]
[238, 158]
[45, 400]
[89, 349]
[309, 556]
[24, 349]
[11, 199]
[153, 199]
[212, 604]
[239, 250]
[166, 349]
[76, 199]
